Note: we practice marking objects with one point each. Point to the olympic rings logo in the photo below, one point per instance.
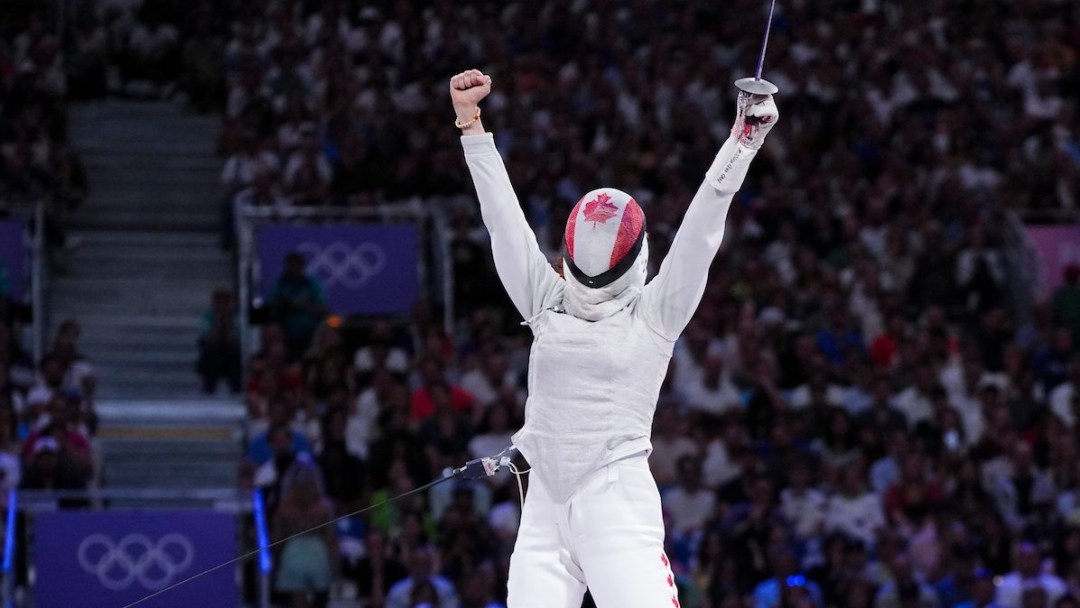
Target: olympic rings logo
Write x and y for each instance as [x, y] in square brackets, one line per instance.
[136, 558]
[339, 263]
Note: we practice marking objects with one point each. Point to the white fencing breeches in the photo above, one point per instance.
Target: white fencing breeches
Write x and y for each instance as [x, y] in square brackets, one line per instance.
[609, 537]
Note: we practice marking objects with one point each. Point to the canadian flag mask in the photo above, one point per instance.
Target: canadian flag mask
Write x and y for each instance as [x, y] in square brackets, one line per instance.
[603, 236]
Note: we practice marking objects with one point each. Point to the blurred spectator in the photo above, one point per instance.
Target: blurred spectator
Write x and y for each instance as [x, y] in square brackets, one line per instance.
[298, 302]
[376, 572]
[153, 48]
[219, 344]
[489, 380]
[10, 463]
[905, 589]
[50, 466]
[980, 273]
[203, 66]
[495, 430]
[802, 505]
[433, 386]
[670, 445]
[1065, 398]
[688, 506]
[422, 582]
[1028, 572]
[280, 433]
[853, 509]
[787, 586]
[343, 473]
[308, 564]
[1066, 300]
[476, 589]
[380, 351]
[1022, 486]
[983, 591]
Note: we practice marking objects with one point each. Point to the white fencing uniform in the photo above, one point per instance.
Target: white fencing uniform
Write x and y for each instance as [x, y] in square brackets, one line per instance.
[592, 513]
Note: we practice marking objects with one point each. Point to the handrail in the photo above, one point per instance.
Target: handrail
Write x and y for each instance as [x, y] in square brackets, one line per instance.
[263, 536]
[38, 278]
[233, 495]
[1051, 215]
[441, 227]
[408, 210]
[8, 566]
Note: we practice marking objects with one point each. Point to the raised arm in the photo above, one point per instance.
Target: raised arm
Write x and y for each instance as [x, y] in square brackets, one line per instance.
[525, 273]
[671, 298]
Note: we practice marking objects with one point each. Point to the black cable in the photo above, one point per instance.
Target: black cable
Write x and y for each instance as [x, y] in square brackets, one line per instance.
[288, 538]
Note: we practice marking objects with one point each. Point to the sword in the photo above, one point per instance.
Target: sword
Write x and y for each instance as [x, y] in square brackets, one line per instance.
[755, 85]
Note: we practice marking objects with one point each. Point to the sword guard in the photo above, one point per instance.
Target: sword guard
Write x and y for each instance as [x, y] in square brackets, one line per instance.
[755, 86]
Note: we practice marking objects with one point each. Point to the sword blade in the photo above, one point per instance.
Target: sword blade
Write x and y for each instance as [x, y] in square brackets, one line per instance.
[764, 42]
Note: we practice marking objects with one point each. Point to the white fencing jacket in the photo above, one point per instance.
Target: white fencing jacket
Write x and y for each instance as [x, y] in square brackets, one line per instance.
[593, 385]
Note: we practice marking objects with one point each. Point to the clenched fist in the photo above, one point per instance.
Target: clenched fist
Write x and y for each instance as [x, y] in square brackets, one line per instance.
[466, 91]
[755, 116]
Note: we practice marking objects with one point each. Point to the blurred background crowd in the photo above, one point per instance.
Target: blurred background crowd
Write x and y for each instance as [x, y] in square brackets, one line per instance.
[870, 408]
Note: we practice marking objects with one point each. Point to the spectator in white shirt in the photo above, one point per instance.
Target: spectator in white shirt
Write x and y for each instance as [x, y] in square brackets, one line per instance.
[914, 401]
[1028, 571]
[819, 384]
[307, 172]
[493, 436]
[362, 428]
[854, 510]
[688, 505]
[1065, 398]
[241, 168]
[1022, 486]
[714, 393]
[488, 381]
[720, 465]
[671, 442]
[803, 505]
[381, 352]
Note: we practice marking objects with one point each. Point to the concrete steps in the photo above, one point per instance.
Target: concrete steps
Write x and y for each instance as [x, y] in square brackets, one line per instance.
[171, 443]
[150, 254]
[138, 285]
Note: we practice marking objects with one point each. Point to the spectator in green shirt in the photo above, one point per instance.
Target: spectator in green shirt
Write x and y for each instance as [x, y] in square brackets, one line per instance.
[299, 303]
[1066, 300]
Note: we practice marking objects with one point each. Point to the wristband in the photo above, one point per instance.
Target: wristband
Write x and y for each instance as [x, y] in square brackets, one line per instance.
[466, 125]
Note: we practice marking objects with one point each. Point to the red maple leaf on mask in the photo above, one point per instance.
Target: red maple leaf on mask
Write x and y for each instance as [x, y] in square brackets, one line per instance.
[600, 209]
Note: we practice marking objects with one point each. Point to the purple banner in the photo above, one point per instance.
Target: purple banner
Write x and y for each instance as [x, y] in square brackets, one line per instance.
[1057, 246]
[370, 269]
[111, 559]
[13, 258]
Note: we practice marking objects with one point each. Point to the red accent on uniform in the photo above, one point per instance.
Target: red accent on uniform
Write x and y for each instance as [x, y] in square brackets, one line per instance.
[629, 228]
[600, 210]
[663, 558]
[675, 602]
[571, 225]
[670, 581]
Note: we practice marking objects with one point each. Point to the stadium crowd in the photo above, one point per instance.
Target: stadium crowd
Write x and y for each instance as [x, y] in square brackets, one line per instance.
[862, 412]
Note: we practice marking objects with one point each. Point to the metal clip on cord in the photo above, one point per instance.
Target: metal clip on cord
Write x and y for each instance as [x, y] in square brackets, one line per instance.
[479, 468]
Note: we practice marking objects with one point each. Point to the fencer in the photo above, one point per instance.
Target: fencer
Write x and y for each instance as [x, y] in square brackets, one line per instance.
[602, 338]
